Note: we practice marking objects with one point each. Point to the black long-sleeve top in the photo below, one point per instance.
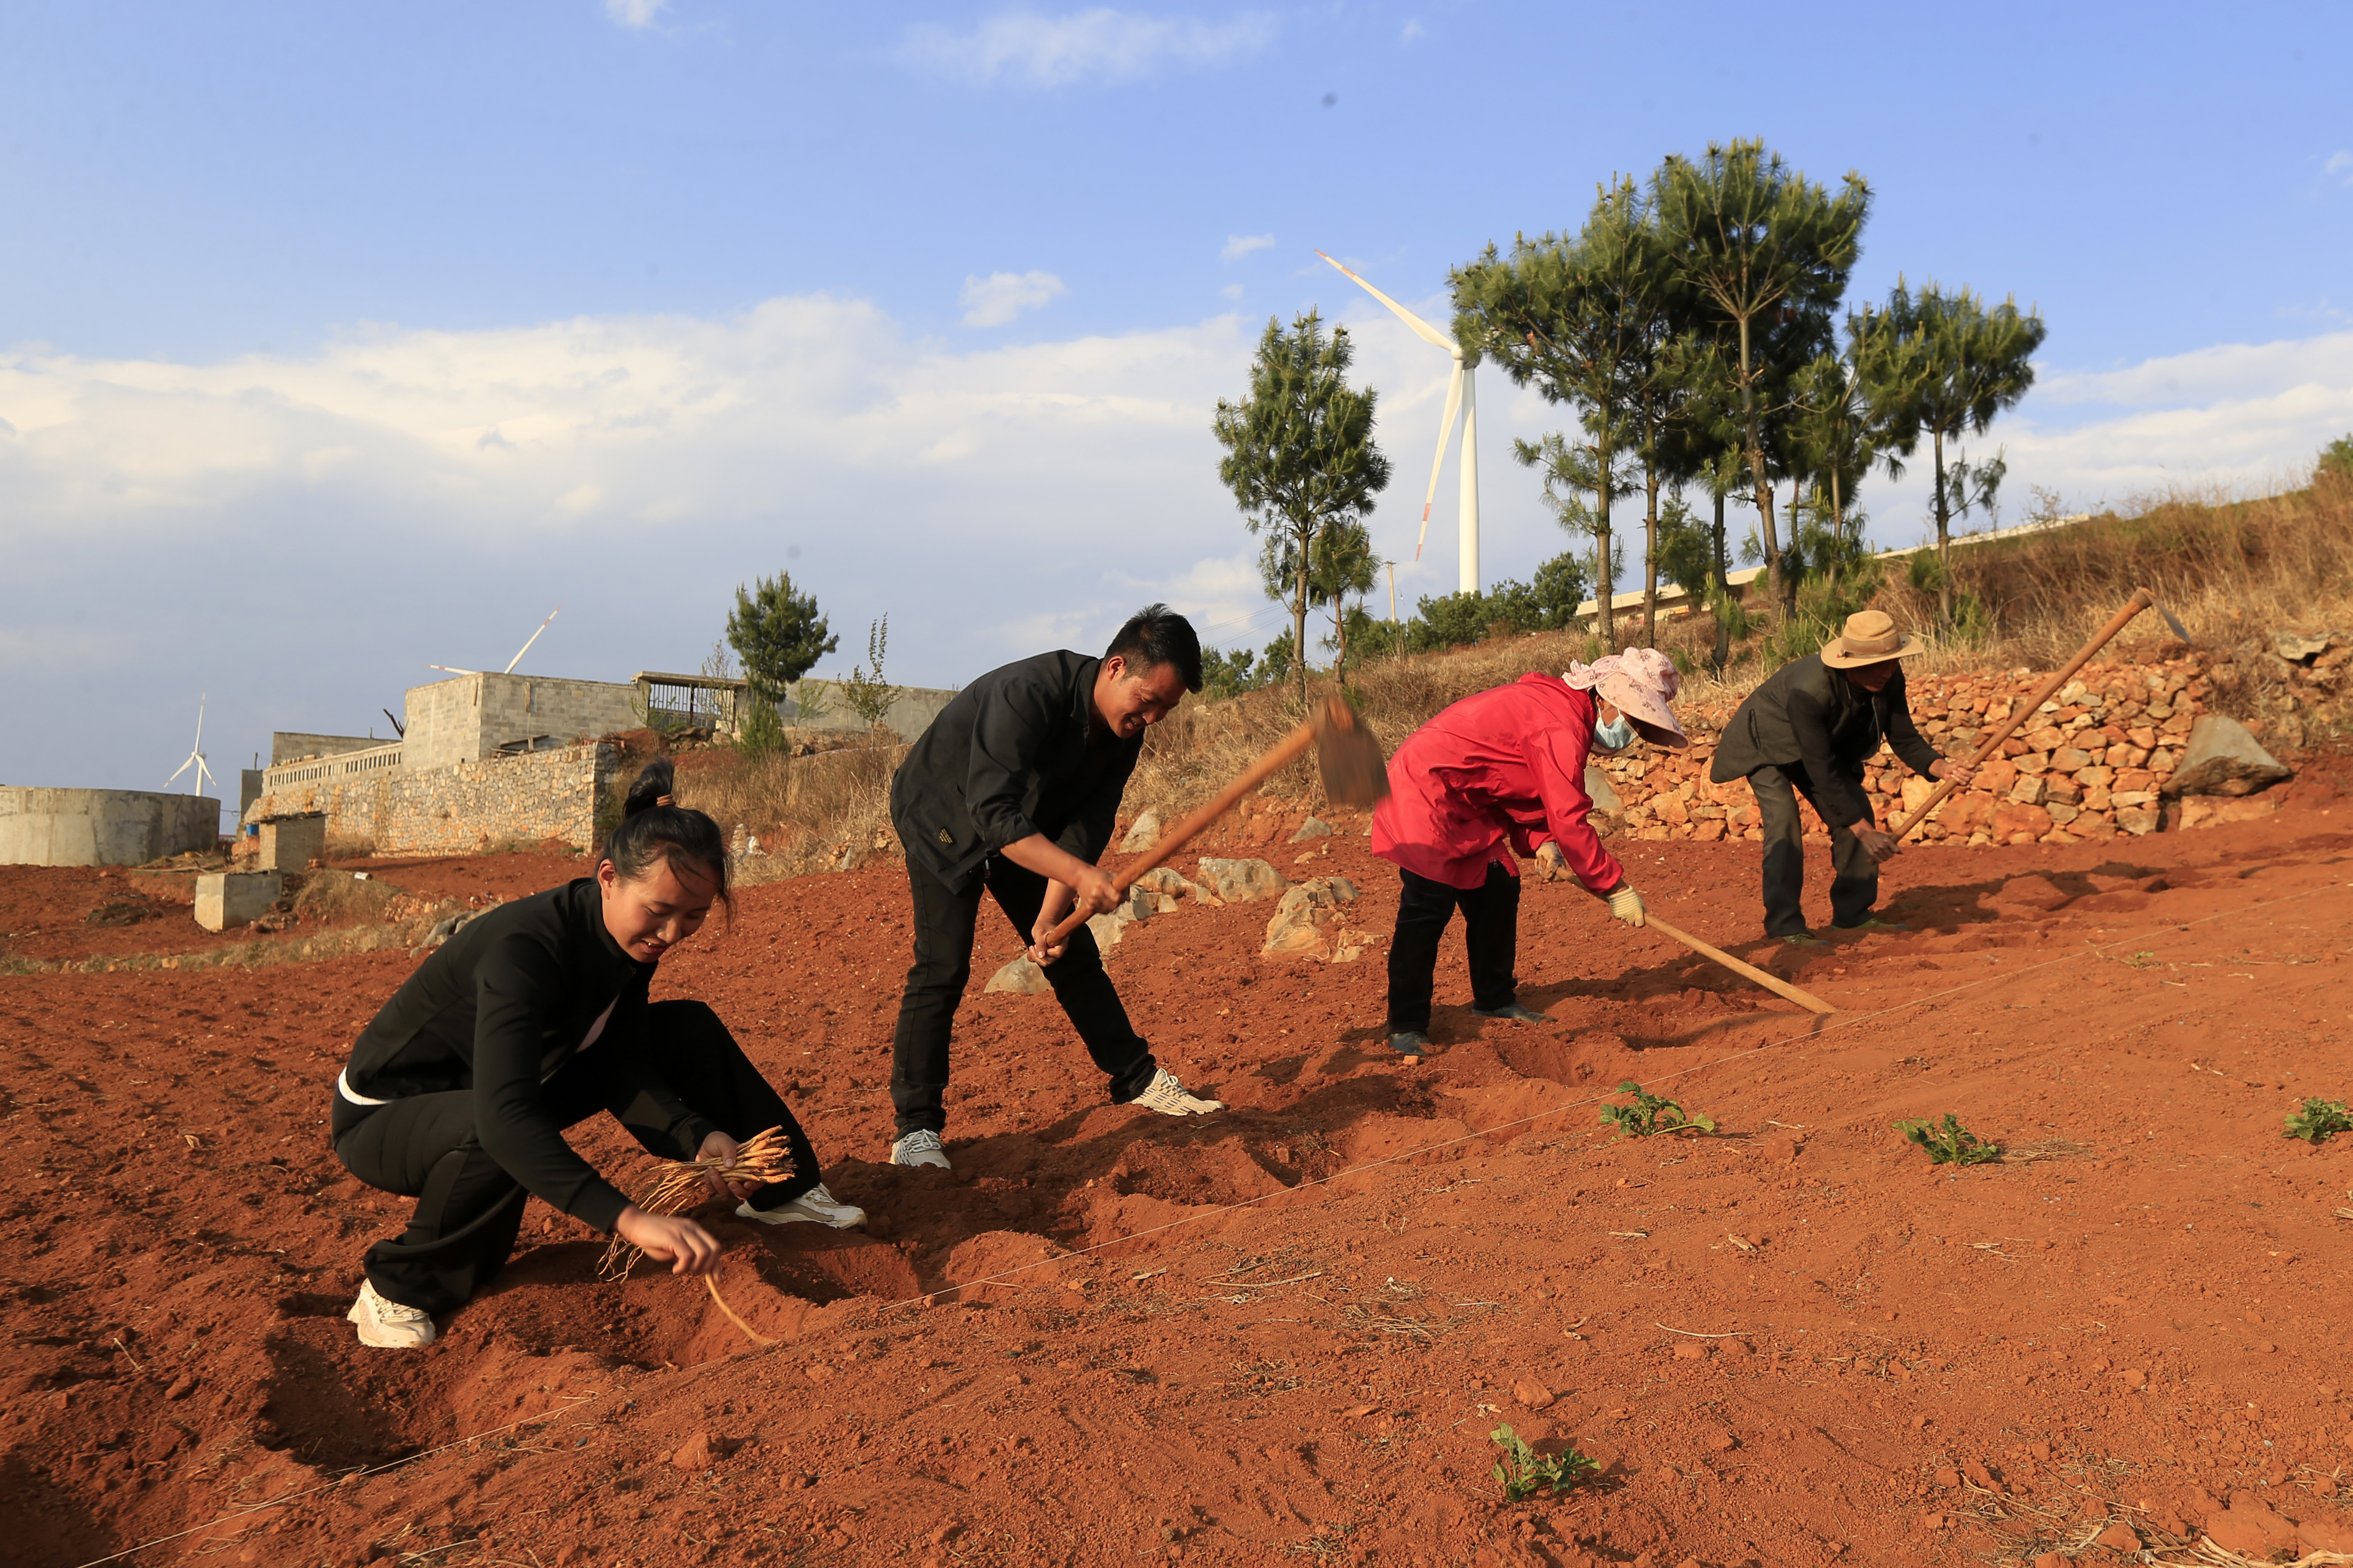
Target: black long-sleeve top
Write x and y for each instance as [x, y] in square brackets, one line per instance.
[1011, 757]
[497, 1010]
[1808, 714]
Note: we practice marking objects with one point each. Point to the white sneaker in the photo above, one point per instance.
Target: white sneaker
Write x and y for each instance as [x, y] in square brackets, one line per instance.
[388, 1325]
[1168, 1096]
[919, 1148]
[816, 1206]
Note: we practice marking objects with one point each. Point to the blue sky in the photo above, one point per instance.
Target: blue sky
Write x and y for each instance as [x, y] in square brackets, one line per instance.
[338, 340]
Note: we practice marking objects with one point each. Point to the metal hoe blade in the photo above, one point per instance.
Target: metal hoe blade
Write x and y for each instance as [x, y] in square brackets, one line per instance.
[1348, 757]
[2173, 622]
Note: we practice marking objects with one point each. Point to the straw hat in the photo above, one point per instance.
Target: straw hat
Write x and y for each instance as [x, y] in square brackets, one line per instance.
[1871, 638]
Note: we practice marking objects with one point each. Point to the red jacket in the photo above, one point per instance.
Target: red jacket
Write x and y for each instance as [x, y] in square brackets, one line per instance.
[1494, 773]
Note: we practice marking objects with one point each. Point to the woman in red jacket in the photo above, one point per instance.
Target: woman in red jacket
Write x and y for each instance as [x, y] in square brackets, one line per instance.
[1495, 776]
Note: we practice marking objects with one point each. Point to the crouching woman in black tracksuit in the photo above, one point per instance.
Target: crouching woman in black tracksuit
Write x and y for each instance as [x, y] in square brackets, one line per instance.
[531, 1018]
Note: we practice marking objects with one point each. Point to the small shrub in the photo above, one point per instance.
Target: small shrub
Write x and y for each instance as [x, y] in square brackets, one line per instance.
[2317, 1119]
[1524, 1472]
[1950, 1144]
[1651, 1114]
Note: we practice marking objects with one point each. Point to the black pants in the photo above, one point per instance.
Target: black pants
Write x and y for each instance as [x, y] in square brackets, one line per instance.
[469, 1208]
[1491, 930]
[944, 925]
[1854, 876]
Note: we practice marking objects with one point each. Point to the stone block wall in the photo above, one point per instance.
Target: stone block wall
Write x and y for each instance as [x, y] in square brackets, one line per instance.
[455, 809]
[465, 807]
[2088, 765]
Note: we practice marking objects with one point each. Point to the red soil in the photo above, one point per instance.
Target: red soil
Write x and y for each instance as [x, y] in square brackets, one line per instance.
[1923, 1364]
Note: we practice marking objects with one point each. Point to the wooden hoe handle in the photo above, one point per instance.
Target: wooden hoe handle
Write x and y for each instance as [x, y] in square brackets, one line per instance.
[1774, 984]
[2141, 600]
[1187, 827]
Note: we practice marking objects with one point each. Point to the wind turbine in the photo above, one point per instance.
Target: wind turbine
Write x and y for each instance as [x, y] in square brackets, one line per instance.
[1461, 393]
[453, 669]
[195, 754]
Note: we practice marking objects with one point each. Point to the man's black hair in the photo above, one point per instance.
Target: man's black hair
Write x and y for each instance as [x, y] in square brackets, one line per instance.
[1156, 635]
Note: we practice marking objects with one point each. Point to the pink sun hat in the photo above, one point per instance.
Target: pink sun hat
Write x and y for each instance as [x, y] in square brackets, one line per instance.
[1640, 683]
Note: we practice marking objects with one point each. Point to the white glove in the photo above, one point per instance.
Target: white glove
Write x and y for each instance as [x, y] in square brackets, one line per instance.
[1551, 864]
[1626, 904]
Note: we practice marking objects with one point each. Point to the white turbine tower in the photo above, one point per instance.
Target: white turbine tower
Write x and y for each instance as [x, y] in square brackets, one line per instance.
[1461, 392]
[195, 755]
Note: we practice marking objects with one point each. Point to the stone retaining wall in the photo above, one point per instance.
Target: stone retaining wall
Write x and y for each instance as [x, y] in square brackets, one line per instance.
[2089, 764]
[459, 810]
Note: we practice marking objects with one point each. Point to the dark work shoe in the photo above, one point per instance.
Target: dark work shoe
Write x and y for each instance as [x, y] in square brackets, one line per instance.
[1410, 1042]
[1803, 939]
[1875, 923]
[1514, 1014]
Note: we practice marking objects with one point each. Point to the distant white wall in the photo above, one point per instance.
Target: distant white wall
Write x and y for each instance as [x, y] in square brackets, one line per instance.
[102, 826]
[469, 716]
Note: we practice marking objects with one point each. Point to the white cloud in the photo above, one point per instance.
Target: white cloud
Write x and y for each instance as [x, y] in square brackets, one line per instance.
[1232, 291]
[993, 301]
[1237, 246]
[406, 495]
[1413, 30]
[1099, 45]
[2340, 162]
[635, 13]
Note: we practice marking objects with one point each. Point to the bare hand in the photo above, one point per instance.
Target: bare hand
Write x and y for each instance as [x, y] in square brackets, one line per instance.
[1947, 768]
[673, 1239]
[1097, 893]
[1877, 843]
[1552, 865]
[721, 1147]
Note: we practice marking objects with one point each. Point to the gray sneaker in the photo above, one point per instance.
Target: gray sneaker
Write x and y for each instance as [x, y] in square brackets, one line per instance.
[1513, 1013]
[919, 1148]
[1410, 1042]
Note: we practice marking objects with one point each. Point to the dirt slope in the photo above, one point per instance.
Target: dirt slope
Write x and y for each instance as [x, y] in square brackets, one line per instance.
[1912, 1365]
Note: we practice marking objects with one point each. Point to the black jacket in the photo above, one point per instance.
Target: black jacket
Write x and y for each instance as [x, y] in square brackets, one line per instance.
[1009, 758]
[1810, 716]
[498, 1009]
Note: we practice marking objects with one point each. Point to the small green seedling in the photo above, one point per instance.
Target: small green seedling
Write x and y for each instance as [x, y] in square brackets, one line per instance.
[1524, 1472]
[2315, 1119]
[1951, 1144]
[1650, 1113]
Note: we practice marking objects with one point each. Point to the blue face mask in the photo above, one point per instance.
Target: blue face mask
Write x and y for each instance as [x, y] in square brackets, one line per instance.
[1615, 737]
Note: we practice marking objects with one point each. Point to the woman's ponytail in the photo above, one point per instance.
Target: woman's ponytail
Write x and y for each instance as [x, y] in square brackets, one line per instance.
[654, 828]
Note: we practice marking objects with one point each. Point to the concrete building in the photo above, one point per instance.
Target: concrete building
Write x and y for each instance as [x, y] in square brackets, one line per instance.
[102, 826]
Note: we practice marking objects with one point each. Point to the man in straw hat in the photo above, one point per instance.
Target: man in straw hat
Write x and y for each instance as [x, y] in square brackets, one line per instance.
[1808, 730]
[1495, 776]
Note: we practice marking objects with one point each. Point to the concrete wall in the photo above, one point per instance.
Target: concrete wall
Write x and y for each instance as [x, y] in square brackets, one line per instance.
[289, 745]
[469, 716]
[102, 826]
[910, 716]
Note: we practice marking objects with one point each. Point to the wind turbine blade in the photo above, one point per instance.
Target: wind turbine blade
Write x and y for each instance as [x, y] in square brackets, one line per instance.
[534, 637]
[1445, 435]
[453, 669]
[184, 768]
[1429, 333]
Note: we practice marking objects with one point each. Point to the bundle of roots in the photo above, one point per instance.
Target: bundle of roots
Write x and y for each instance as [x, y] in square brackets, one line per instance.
[762, 1158]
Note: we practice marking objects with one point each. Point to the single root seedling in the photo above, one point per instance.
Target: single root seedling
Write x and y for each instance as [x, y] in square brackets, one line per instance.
[2318, 1119]
[1950, 1144]
[1652, 1114]
[1524, 1472]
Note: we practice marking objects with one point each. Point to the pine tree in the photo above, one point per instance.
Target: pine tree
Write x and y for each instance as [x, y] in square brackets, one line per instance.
[1766, 253]
[1300, 457]
[777, 631]
[1941, 364]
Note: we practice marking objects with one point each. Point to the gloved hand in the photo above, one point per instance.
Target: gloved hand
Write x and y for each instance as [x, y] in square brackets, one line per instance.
[1626, 904]
[1551, 864]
